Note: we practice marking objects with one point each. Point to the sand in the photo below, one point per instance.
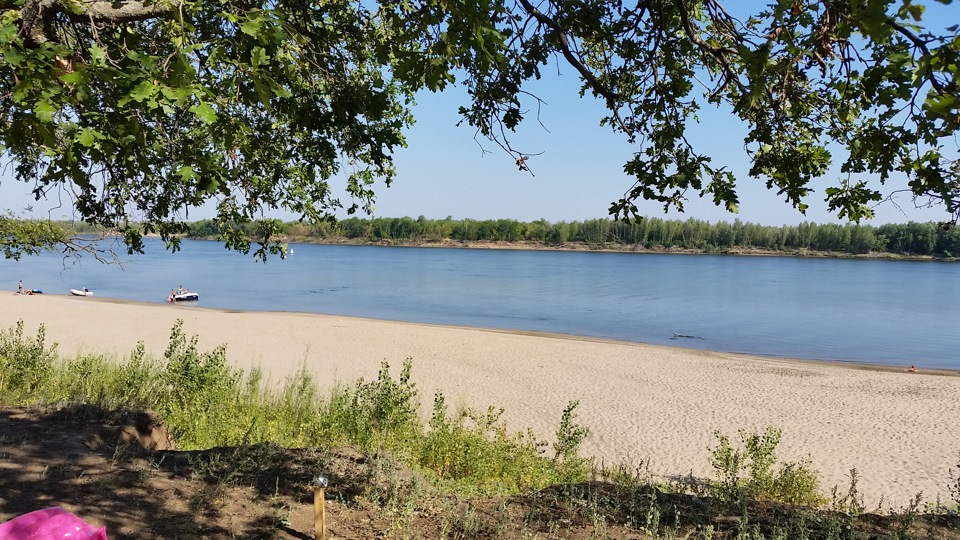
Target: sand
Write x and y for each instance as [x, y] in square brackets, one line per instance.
[659, 405]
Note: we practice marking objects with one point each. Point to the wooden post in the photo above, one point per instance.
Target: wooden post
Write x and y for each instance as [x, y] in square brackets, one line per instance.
[319, 517]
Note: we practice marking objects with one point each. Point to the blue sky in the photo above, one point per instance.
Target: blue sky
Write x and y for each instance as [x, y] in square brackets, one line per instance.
[580, 172]
[443, 172]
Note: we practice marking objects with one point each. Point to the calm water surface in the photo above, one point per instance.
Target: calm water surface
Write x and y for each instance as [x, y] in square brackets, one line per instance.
[892, 312]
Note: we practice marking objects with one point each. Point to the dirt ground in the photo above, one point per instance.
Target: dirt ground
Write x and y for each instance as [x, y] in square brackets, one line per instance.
[93, 463]
[122, 470]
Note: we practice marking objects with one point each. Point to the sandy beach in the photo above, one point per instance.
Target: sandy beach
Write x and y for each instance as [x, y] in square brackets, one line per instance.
[642, 402]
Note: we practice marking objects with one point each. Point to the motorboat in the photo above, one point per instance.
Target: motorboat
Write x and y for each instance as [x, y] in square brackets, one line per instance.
[186, 296]
[81, 292]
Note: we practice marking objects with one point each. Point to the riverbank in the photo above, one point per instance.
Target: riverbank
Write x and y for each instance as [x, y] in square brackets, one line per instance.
[657, 404]
[610, 247]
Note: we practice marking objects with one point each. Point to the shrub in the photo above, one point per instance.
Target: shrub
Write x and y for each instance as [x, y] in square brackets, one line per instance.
[570, 436]
[472, 451]
[375, 415]
[25, 364]
[748, 473]
[199, 394]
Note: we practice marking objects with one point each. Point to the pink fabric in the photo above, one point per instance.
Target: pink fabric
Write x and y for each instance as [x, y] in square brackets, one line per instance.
[50, 524]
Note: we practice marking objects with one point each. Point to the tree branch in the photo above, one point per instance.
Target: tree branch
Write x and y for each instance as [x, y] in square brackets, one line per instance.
[125, 11]
[37, 16]
[597, 86]
[922, 45]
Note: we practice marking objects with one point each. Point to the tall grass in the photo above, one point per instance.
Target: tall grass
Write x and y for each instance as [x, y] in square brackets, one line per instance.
[206, 403]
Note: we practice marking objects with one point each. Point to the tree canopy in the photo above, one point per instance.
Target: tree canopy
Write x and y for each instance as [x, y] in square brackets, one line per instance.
[139, 110]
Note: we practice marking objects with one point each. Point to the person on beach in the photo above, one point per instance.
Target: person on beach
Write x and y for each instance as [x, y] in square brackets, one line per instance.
[20, 287]
[911, 369]
[173, 296]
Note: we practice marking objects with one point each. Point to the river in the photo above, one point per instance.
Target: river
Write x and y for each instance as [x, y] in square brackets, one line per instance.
[874, 311]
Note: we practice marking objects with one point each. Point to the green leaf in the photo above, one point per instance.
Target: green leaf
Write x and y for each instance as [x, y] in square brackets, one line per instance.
[13, 56]
[45, 111]
[916, 11]
[73, 78]
[941, 104]
[204, 112]
[251, 26]
[88, 137]
[258, 57]
[186, 173]
[97, 55]
[178, 94]
[144, 91]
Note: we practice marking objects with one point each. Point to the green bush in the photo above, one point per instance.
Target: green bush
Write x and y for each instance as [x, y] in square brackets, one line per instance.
[200, 392]
[748, 473]
[472, 451]
[570, 436]
[382, 414]
[25, 364]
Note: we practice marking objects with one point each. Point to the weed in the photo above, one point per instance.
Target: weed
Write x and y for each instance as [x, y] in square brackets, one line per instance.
[25, 364]
[207, 403]
[851, 503]
[599, 526]
[467, 524]
[748, 474]
[652, 518]
[570, 436]
[906, 517]
[502, 520]
[471, 450]
[954, 485]
[281, 512]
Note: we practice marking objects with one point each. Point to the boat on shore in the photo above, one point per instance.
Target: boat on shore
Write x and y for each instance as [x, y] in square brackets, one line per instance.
[186, 296]
[81, 292]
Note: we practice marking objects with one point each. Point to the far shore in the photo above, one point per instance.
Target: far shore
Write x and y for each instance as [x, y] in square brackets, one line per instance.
[648, 404]
[611, 247]
[607, 247]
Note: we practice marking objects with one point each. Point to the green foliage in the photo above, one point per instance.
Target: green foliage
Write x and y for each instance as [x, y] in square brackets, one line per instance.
[378, 415]
[915, 239]
[749, 474]
[193, 382]
[25, 364]
[851, 502]
[472, 450]
[207, 403]
[570, 436]
[19, 237]
[153, 108]
[141, 110]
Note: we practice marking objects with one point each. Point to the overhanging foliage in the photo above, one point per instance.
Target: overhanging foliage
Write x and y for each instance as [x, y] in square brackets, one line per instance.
[144, 110]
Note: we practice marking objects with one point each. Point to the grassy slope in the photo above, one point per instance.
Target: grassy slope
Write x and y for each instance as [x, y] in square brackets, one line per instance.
[459, 475]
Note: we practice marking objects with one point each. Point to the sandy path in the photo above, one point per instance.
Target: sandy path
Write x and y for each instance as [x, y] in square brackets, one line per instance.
[660, 404]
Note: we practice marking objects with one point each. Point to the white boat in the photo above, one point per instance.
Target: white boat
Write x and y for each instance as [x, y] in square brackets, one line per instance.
[186, 296]
[81, 292]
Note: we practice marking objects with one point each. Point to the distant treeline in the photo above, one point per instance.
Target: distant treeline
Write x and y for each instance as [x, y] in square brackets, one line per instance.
[925, 239]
